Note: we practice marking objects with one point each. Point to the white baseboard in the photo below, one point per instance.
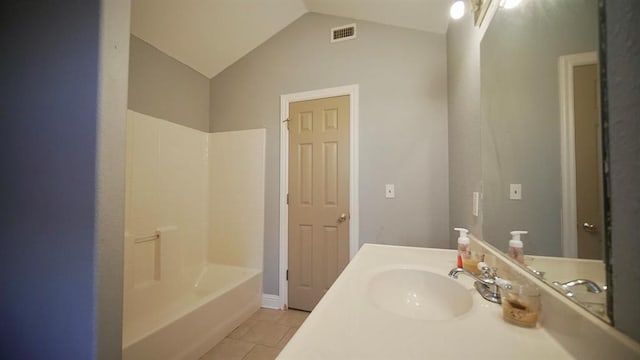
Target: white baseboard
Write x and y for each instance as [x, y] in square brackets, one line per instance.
[271, 302]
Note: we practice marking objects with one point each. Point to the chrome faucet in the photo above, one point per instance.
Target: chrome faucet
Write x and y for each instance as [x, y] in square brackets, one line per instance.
[537, 272]
[591, 286]
[487, 284]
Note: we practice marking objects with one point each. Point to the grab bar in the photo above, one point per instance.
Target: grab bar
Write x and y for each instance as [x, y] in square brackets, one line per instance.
[147, 238]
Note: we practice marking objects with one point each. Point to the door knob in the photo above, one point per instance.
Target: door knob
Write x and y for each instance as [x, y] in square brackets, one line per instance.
[589, 227]
[342, 218]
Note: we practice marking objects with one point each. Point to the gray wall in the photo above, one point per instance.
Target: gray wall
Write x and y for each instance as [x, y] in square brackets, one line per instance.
[163, 87]
[623, 75]
[52, 232]
[465, 160]
[403, 121]
[521, 116]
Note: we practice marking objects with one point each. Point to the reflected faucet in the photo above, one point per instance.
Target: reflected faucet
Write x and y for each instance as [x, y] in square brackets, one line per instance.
[591, 286]
[487, 284]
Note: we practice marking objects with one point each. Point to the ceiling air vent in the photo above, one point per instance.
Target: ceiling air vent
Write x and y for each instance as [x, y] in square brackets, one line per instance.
[342, 33]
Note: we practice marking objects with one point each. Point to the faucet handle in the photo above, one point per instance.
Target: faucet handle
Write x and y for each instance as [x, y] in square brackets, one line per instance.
[486, 270]
[505, 284]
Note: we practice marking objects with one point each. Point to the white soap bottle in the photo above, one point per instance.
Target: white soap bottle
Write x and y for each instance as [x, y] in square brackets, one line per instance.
[516, 248]
[463, 245]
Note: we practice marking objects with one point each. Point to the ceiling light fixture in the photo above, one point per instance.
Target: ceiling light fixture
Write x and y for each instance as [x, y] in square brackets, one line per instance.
[457, 10]
[509, 4]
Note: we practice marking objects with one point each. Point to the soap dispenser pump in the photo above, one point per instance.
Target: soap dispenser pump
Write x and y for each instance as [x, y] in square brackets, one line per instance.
[463, 245]
[516, 250]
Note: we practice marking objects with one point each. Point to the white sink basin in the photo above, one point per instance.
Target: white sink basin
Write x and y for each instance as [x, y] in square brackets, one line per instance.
[419, 294]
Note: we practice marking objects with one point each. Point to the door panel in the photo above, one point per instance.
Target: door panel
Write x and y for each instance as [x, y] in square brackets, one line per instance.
[318, 196]
[306, 255]
[305, 177]
[588, 174]
[330, 170]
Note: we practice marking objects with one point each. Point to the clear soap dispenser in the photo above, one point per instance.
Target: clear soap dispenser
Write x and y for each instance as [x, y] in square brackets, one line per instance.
[516, 248]
[463, 246]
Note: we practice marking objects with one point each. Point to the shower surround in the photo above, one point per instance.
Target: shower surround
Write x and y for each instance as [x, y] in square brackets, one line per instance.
[194, 236]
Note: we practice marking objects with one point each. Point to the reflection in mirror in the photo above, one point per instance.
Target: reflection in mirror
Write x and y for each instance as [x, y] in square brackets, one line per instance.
[541, 139]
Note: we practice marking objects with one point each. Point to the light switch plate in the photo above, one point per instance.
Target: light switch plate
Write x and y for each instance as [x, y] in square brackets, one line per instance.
[476, 203]
[515, 191]
[390, 191]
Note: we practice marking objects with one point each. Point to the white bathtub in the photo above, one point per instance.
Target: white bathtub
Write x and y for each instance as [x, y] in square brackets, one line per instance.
[184, 321]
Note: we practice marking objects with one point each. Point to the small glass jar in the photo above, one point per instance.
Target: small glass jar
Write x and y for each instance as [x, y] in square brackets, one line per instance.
[470, 262]
[521, 305]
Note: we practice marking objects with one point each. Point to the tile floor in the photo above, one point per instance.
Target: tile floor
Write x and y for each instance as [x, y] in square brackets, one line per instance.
[261, 337]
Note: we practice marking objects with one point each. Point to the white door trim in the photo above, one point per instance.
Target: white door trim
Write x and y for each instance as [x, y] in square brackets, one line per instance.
[567, 149]
[353, 92]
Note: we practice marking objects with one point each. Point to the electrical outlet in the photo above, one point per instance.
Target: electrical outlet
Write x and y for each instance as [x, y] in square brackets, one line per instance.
[390, 191]
[515, 191]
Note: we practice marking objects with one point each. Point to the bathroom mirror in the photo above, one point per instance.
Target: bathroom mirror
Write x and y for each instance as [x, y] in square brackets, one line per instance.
[541, 149]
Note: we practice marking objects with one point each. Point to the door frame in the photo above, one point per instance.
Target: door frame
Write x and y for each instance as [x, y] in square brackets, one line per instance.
[353, 92]
[569, 219]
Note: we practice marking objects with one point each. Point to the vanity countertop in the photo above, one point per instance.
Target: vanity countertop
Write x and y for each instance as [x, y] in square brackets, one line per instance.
[346, 324]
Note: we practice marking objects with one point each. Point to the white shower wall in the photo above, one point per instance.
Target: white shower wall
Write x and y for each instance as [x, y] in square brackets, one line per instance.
[203, 192]
[237, 198]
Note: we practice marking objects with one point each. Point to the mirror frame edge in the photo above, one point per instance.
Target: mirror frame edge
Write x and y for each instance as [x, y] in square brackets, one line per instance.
[604, 119]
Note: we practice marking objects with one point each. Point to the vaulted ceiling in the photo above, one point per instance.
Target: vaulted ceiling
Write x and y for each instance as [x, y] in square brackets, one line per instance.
[209, 35]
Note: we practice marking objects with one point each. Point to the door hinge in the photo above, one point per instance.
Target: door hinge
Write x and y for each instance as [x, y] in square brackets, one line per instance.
[287, 274]
[287, 198]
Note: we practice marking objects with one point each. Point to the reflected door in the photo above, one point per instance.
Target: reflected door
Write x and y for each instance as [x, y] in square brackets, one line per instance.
[318, 198]
[588, 173]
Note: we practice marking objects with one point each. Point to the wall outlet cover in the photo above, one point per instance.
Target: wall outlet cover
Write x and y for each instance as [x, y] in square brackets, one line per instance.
[515, 191]
[390, 191]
